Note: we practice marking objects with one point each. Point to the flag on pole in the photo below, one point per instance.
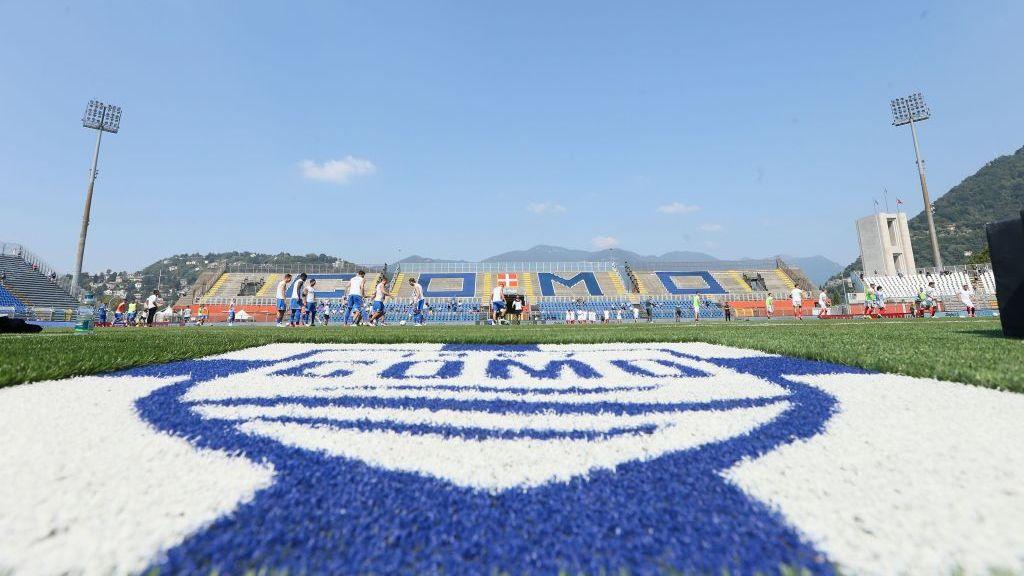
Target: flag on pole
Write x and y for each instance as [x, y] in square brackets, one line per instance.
[898, 201]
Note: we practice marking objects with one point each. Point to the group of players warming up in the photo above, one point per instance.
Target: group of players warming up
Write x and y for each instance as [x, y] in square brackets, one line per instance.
[300, 296]
[297, 303]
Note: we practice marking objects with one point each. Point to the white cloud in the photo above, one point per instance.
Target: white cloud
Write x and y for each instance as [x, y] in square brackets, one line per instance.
[545, 208]
[712, 227]
[604, 242]
[337, 171]
[677, 208]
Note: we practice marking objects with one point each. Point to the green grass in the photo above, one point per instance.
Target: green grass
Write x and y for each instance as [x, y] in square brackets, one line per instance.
[970, 351]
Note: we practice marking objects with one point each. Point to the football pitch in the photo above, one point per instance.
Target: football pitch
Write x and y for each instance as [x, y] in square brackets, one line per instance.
[789, 447]
[971, 351]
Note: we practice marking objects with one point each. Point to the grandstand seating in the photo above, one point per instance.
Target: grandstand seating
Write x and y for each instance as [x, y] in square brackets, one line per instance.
[732, 281]
[10, 303]
[460, 292]
[776, 280]
[241, 284]
[31, 287]
[581, 282]
[948, 282]
[230, 285]
[579, 285]
[269, 286]
[670, 282]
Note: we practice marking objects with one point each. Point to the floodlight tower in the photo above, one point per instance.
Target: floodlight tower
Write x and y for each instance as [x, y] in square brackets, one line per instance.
[102, 118]
[908, 110]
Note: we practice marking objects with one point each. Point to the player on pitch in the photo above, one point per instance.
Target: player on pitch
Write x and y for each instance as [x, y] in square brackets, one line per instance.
[418, 302]
[281, 304]
[797, 298]
[497, 302]
[967, 299]
[355, 298]
[380, 292]
[823, 304]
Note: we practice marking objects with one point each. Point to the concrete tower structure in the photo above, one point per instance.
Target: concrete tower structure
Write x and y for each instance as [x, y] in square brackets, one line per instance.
[885, 244]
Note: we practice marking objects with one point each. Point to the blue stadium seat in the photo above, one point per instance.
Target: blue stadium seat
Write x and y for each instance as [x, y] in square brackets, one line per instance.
[8, 300]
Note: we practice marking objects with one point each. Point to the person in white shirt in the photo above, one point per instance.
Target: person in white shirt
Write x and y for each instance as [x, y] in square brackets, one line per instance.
[569, 316]
[607, 316]
[931, 298]
[581, 315]
[297, 294]
[497, 302]
[380, 292]
[355, 298]
[327, 312]
[796, 296]
[418, 302]
[967, 299]
[592, 316]
[517, 309]
[618, 315]
[823, 304]
[281, 306]
[310, 295]
[186, 315]
[153, 302]
[636, 314]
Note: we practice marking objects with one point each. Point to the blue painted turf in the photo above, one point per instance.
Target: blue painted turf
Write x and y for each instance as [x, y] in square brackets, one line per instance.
[329, 515]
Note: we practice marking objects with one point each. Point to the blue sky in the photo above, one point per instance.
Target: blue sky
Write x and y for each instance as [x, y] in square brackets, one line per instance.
[463, 129]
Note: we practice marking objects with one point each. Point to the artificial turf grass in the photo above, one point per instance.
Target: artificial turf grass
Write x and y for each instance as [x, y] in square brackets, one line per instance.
[969, 351]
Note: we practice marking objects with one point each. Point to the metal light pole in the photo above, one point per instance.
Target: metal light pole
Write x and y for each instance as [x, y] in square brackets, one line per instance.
[102, 118]
[908, 110]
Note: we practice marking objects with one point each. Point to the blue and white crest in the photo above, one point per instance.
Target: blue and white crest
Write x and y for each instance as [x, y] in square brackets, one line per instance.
[470, 459]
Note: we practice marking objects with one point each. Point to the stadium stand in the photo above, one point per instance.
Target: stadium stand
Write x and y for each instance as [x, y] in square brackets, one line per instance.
[201, 286]
[461, 291]
[732, 281]
[9, 303]
[33, 287]
[904, 288]
[531, 279]
[948, 282]
[30, 288]
[716, 277]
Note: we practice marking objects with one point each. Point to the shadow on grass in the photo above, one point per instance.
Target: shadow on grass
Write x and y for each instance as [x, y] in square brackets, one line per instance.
[996, 333]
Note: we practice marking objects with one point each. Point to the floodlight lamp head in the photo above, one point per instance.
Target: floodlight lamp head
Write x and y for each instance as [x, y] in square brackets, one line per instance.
[909, 108]
[100, 116]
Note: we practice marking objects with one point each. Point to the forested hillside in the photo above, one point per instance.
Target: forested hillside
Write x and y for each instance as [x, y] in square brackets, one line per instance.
[995, 192]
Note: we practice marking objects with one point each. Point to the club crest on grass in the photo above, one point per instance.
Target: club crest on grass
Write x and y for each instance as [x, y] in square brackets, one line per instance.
[468, 459]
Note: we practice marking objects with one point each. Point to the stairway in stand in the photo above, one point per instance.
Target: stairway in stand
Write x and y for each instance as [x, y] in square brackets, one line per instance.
[529, 289]
[486, 280]
[212, 292]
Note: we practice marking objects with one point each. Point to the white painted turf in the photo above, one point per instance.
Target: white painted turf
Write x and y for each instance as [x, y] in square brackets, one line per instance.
[87, 487]
[911, 475]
